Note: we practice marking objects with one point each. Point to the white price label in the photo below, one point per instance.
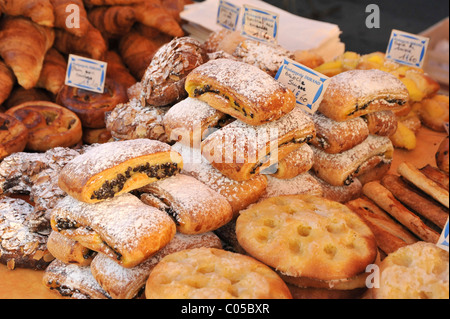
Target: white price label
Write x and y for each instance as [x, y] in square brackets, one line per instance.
[406, 48]
[443, 240]
[260, 25]
[307, 85]
[87, 74]
[228, 15]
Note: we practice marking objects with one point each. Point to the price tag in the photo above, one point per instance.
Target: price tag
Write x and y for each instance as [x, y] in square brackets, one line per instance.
[260, 25]
[87, 74]
[443, 240]
[228, 15]
[307, 85]
[406, 48]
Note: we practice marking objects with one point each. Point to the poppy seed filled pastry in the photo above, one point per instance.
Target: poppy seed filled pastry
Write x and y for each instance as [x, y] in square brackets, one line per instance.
[190, 120]
[114, 168]
[336, 137]
[295, 163]
[68, 250]
[358, 92]
[241, 151]
[383, 123]
[241, 90]
[341, 169]
[123, 228]
[194, 206]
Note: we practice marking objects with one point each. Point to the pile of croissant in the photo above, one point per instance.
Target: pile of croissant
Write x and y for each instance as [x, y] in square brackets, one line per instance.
[36, 37]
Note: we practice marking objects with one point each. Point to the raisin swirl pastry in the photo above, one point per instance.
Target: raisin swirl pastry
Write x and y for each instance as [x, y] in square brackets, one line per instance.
[114, 168]
[359, 92]
[123, 228]
[163, 81]
[91, 107]
[13, 135]
[50, 125]
[241, 90]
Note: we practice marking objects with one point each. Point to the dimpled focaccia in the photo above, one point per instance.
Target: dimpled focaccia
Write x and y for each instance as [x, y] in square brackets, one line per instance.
[211, 273]
[307, 236]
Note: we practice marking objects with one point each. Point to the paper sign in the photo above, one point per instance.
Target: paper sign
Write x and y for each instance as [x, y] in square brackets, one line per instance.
[260, 25]
[307, 85]
[228, 15]
[406, 48]
[87, 74]
[443, 240]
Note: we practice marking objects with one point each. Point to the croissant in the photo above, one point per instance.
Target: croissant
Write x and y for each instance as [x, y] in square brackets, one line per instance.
[174, 7]
[111, 2]
[23, 45]
[39, 11]
[61, 16]
[53, 72]
[7, 81]
[92, 44]
[137, 52]
[153, 14]
[112, 21]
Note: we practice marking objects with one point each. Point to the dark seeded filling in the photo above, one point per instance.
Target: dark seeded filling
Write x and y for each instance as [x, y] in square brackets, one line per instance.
[365, 106]
[350, 178]
[111, 187]
[208, 89]
[262, 161]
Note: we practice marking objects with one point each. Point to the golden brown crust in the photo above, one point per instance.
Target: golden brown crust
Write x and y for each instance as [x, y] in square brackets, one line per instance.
[114, 168]
[123, 228]
[68, 250]
[216, 274]
[240, 90]
[382, 123]
[96, 135]
[295, 163]
[390, 235]
[128, 283]
[307, 236]
[7, 80]
[336, 137]
[13, 135]
[241, 151]
[72, 281]
[50, 125]
[386, 200]
[442, 157]
[417, 271]
[340, 169]
[194, 206]
[358, 92]
[164, 79]
[416, 201]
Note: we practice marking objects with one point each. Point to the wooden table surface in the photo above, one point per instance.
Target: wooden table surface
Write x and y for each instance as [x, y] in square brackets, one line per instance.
[27, 284]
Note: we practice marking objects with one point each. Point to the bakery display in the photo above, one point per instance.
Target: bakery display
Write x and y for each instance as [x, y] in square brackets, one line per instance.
[240, 90]
[195, 174]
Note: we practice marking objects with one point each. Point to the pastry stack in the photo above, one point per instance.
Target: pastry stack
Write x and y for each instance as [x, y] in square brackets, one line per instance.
[353, 124]
[109, 232]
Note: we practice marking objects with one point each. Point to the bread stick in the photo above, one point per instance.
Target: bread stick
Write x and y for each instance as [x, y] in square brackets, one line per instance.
[414, 200]
[389, 234]
[436, 175]
[384, 198]
[413, 175]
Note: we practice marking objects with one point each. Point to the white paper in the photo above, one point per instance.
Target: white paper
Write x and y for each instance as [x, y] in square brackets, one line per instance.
[295, 32]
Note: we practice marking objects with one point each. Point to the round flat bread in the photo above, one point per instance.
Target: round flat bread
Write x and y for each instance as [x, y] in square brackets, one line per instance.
[307, 236]
[205, 273]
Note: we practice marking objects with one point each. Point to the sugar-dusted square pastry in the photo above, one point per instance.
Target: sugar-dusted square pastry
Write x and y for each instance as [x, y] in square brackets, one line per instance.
[241, 151]
[241, 90]
[358, 92]
[194, 206]
[114, 168]
[123, 228]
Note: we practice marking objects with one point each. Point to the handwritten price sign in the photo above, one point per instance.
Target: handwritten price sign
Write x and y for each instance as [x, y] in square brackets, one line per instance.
[307, 85]
[87, 74]
[228, 15]
[260, 25]
[406, 48]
